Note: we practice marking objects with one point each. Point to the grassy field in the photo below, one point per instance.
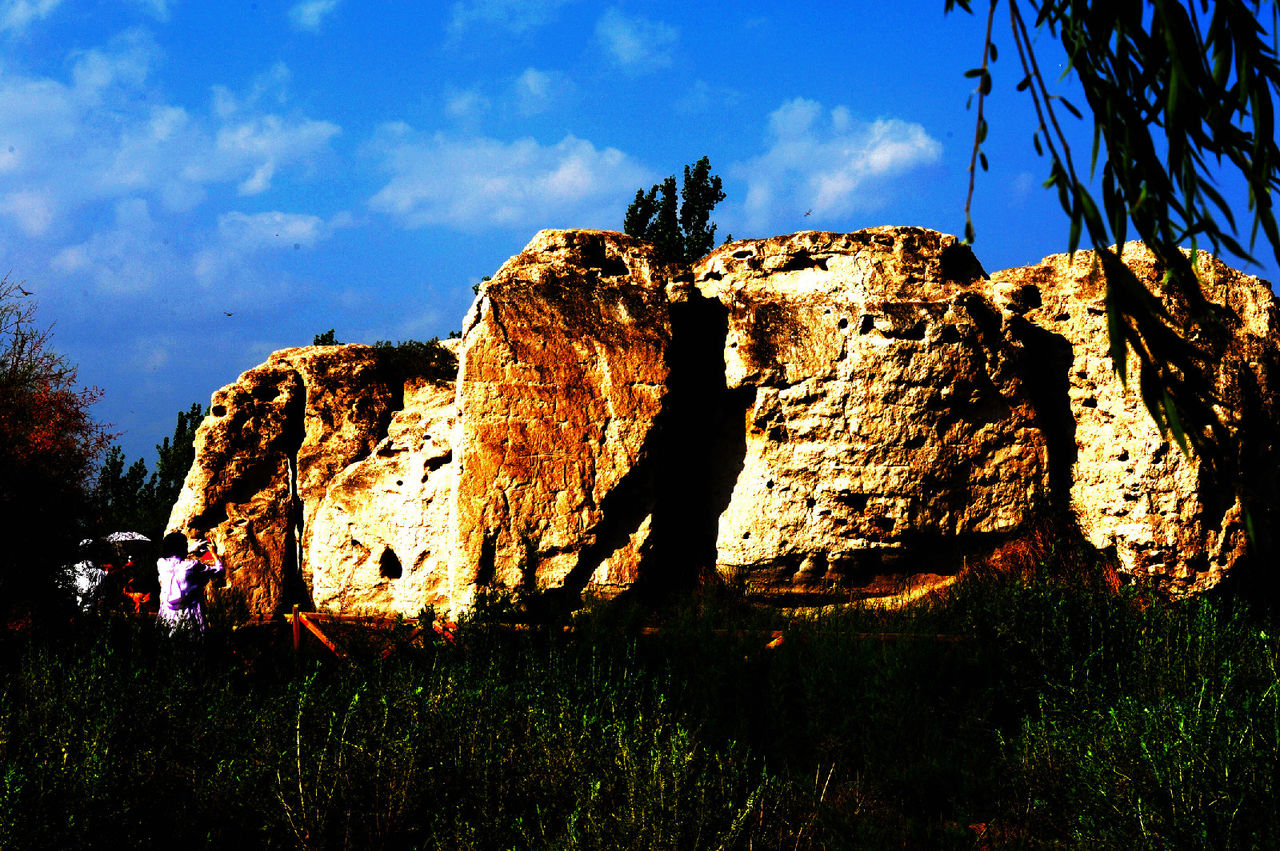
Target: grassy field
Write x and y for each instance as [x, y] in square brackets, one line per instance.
[1064, 715]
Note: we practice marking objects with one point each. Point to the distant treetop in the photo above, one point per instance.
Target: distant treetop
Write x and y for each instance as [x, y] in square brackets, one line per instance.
[684, 233]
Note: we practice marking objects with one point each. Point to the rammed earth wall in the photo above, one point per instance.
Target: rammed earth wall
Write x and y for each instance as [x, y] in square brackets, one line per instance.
[817, 416]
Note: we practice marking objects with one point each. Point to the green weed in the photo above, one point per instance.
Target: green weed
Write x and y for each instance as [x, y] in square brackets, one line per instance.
[1049, 713]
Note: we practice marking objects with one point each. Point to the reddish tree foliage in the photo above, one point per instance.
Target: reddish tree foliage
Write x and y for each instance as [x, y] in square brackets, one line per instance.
[48, 446]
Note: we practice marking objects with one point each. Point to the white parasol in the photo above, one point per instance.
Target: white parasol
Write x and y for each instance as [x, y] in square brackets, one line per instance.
[121, 537]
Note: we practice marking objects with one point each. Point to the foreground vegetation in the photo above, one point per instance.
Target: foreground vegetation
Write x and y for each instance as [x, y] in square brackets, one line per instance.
[1064, 715]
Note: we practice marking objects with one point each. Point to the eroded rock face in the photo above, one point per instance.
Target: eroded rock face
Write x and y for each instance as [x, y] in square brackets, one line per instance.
[266, 453]
[888, 421]
[378, 540]
[817, 413]
[1131, 490]
[562, 373]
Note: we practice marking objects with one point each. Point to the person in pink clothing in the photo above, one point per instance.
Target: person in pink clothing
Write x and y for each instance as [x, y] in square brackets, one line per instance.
[184, 571]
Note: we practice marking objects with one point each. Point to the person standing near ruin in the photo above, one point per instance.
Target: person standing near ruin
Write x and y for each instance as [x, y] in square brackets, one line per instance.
[183, 571]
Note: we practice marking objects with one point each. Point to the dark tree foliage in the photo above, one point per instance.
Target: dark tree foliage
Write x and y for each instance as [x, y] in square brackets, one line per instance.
[698, 197]
[325, 339]
[678, 227]
[48, 445]
[640, 213]
[416, 359]
[1177, 90]
[664, 230]
[175, 456]
[120, 498]
[127, 499]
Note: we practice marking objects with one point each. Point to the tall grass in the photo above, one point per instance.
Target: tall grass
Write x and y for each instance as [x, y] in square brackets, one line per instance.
[1063, 716]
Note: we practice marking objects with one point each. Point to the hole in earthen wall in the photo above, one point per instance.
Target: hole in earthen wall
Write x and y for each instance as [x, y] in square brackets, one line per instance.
[433, 464]
[595, 256]
[529, 561]
[389, 565]
[265, 392]
[395, 403]
[959, 264]
[486, 566]
[802, 260]
[212, 516]
[703, 448]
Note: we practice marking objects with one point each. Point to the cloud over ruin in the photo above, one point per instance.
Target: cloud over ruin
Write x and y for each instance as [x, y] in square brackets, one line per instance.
[477, 183]
[828, 162]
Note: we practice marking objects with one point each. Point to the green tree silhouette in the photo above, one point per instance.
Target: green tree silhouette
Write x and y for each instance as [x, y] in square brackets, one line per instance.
[678, 227]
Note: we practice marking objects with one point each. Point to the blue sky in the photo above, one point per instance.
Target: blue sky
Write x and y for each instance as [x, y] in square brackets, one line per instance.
[188, 186]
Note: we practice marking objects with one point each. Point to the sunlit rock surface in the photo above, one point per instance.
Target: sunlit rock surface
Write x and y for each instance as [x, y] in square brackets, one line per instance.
[561, 377]
[1133, 491]
[266, 453]
[814, 416]
[377, 540]
[889, 419]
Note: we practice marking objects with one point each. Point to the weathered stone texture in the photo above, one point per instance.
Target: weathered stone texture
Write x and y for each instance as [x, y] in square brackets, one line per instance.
[814, 413]
[265, 454]
[1131, 489]
[888, 416]
[378, 541]
[561, 376]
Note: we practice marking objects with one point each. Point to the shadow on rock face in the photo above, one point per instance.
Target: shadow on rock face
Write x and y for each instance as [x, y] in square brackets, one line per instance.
[687, 467]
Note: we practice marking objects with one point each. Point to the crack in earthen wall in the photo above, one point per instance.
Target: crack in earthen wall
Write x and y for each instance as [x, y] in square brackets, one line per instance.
[686, 468]
[703, 450]
[294, 585]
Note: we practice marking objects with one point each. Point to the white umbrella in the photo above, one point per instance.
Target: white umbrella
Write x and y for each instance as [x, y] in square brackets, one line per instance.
[121, 537]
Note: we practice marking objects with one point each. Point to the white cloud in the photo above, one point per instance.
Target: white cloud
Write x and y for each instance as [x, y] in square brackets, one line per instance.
[263, 143]
[702, 97]
[513, 16]
[17, 15]
[95, 73]
[259, 231]
[100, 136]
[259, 181]
[99, 174]
[268, 89]
[30, 210]
[634, 43]
[532, 92]
[537, 91]
[309, 14]
[1021, 187]
[828, 162]
[467, 106]
[128, 258]
[241, 236]
[475, 183]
